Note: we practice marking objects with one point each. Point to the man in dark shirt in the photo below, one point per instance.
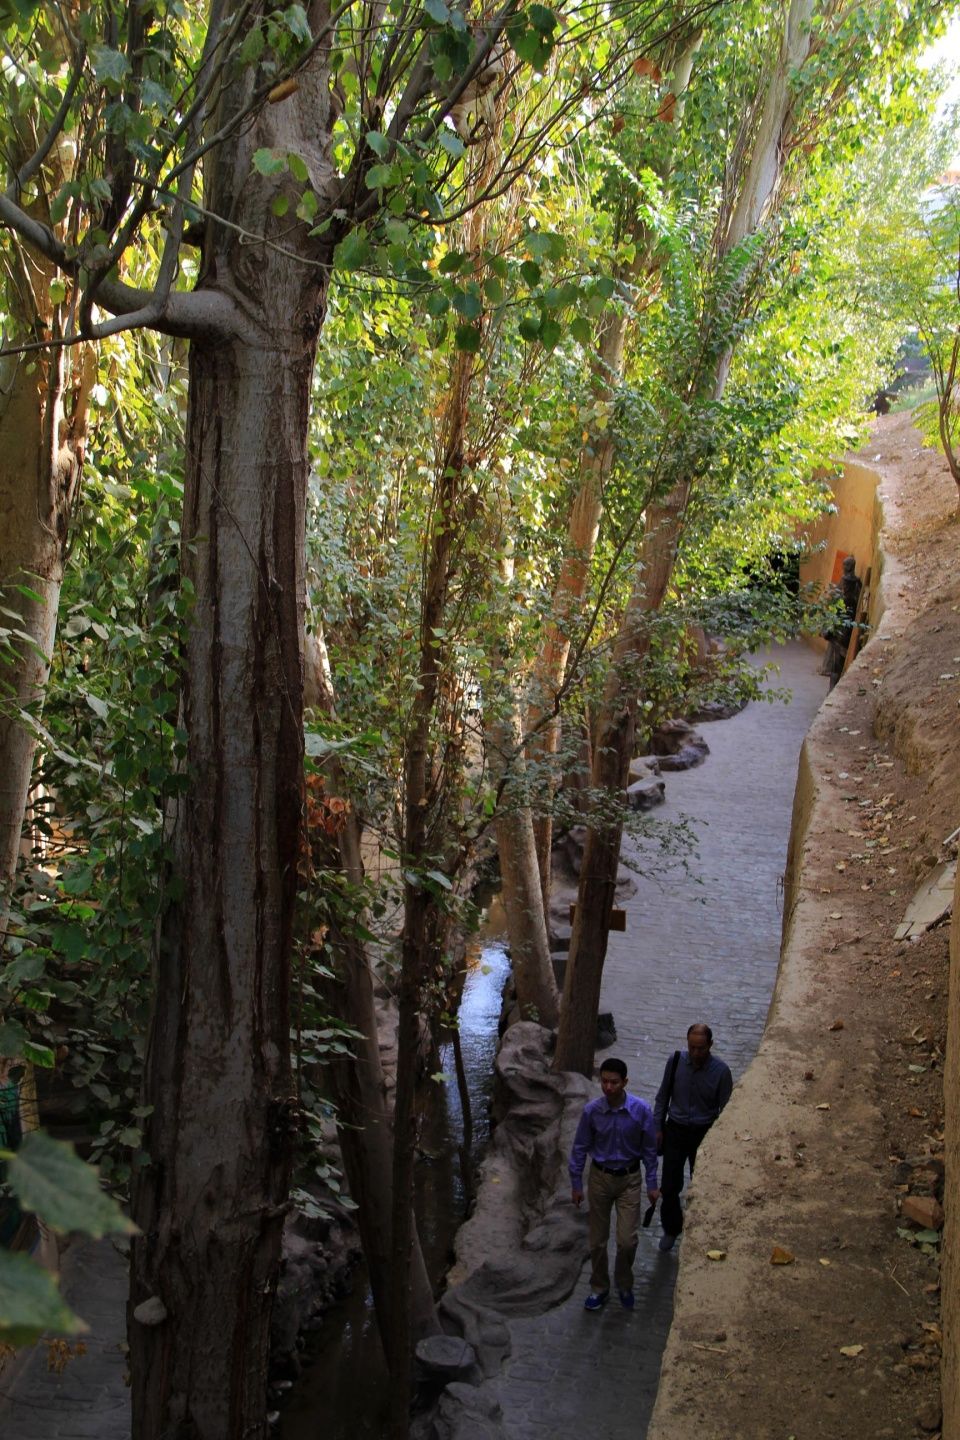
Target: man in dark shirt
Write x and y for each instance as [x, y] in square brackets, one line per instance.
[616, 1130]
[693, 1091]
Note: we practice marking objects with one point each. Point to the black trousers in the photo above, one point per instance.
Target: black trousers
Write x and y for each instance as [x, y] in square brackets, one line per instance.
[680, 1146]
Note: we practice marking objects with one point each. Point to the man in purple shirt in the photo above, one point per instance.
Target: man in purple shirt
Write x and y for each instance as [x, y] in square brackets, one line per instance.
[617, 1131]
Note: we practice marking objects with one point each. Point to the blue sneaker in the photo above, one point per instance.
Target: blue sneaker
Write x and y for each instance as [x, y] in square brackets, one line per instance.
[596, 1301]
[667, 1242]
[626, 1299]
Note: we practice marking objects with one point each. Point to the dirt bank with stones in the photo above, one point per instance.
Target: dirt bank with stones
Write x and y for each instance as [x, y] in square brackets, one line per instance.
[829, 1158]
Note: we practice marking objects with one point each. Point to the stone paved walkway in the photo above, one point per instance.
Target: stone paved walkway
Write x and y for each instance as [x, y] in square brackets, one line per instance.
[703, 946]
[700, 946]
[89, 1400]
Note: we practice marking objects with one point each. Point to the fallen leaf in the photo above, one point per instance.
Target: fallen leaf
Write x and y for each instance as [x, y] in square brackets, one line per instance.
[716, 1254]
[781, 1256]
[837, 1025]
[852, 1350]
[824, 1106]
[835, 915]
[825, 1262]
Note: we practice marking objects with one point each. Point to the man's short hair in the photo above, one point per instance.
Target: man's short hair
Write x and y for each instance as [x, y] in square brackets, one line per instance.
[704, 1030]
[615, 1066]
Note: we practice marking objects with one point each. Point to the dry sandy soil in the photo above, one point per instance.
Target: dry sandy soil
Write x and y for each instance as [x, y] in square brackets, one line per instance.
[839, 1121]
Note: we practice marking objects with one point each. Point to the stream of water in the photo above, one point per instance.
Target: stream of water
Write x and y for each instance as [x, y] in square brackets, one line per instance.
[342, 1394]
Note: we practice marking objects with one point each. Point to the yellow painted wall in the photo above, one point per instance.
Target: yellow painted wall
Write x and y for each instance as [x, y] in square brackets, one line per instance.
[851, 530]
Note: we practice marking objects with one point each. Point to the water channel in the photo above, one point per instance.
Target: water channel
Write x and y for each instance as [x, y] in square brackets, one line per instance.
[342, 1394]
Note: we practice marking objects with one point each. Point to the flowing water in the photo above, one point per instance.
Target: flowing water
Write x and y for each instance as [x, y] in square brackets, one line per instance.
[342, 1394]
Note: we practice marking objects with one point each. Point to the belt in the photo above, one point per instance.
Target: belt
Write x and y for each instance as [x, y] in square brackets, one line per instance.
[630, 1169]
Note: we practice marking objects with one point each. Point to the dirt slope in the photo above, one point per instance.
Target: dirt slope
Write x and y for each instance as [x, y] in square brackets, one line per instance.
[839, 1120]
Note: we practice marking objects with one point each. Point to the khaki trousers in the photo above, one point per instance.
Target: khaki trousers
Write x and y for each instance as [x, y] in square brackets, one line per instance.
[603, 1193]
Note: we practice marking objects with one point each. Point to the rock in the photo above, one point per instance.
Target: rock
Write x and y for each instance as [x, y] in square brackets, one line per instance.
[645, 767]
[442, 1358]
[606, 1031]
[930, 1416]
[678, 745]
[466, 1413]
[150, 1312]
[646, 794]
[923, 1210]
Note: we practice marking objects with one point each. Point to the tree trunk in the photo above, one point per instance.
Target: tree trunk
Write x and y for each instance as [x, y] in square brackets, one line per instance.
[754, 194]
[612, 753]
[363, 1117]
[211, 1201]
[43, 423]
[596, 460]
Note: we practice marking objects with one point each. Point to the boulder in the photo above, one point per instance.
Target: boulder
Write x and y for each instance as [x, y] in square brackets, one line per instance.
[646, 794]
[678, 745]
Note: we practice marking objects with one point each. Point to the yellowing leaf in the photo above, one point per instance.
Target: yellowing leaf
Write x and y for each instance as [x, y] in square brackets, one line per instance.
[781, 1256]
[716, 1254]
[851, 1350]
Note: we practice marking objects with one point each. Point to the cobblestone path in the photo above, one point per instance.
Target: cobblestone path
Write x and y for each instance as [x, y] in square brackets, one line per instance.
[698, 946]
[701, 946]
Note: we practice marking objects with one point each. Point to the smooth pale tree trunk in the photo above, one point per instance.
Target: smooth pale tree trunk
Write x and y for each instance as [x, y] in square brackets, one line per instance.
[520, 886]
[754, 200]
[43, 408]
[612, 752]
[596, 462]
[211, 1202]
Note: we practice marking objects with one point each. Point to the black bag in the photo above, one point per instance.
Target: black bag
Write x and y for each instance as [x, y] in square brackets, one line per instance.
[669, 1095]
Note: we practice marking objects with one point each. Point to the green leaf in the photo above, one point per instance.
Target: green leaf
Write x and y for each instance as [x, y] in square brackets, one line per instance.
[437, 304]
[378, 143]
[24, 971]
[267, 162]
[48, 1178]
[582, 330]
[451, 142]
[542, 19]
[440, 879]
[279, 205]
[451, 262]
[109, 66]
[550, 333]
[98, 706]
[468, 338]
[40, 1055]
[545, 244]
[13, 1037]
[354, 251]
[30, 1302]
[468, 304]
[308, 207]
[58, 292]
[252, 47]
[297, 167]
[529, 327]
[437, 11]
[531, 272]
[381, 176]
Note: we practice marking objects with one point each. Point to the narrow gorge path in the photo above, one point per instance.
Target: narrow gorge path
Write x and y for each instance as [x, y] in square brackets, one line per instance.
[700, 944]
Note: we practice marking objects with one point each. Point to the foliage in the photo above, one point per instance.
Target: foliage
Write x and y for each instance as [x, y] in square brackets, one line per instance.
[50, 1181]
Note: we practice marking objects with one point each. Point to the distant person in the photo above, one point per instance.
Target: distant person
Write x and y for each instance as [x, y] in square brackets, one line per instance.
[838, 634]
[616, 1130]
[695, 1087]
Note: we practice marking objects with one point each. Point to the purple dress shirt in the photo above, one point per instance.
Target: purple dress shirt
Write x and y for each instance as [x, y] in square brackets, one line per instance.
[615, 1137]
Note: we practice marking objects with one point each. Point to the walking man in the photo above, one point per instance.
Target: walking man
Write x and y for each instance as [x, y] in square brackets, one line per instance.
[616, 1130]
[695, 1087]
